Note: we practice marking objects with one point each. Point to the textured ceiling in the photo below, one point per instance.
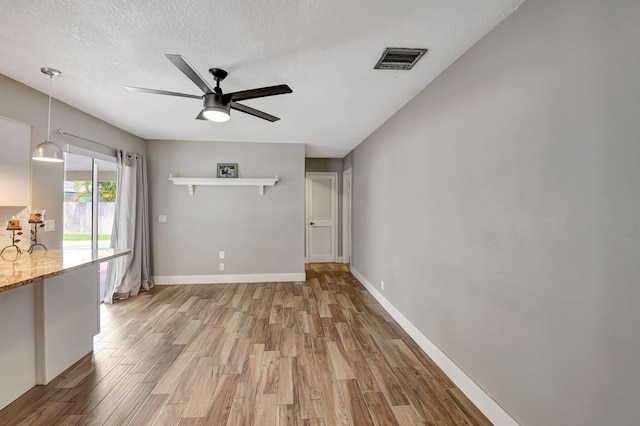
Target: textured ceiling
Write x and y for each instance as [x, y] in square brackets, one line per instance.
[324, 49]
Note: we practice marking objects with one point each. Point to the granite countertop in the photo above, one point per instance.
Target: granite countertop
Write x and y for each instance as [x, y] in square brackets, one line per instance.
[20, 269]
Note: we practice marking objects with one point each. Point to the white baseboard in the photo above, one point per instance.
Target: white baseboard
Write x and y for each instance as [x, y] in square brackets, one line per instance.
[490, 408]
[339, 259]
[228, 279]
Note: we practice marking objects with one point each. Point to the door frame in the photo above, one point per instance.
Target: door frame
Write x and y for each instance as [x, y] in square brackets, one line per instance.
[334, 201]
[347, 185]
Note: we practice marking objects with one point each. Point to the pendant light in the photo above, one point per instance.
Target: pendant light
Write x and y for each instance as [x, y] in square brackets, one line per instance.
[47, 150]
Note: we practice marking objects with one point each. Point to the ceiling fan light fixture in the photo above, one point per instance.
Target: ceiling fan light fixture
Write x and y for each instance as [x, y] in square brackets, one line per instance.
[216, 109]
[48, 151]
[216, 113]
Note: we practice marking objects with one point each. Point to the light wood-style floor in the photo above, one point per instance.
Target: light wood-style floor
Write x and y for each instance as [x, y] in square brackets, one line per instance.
[320, 352]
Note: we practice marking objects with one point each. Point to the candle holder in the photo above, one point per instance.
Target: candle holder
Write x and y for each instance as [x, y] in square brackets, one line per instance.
[13, 239]
[34, 235]
[12, 259]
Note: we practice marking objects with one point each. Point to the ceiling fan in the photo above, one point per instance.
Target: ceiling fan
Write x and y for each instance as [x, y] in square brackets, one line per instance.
[217, 105]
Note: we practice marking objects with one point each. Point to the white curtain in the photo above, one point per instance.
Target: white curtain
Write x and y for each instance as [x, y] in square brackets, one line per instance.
[128, 275]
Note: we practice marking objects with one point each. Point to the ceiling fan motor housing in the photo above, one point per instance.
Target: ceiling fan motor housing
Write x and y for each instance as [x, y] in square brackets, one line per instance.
[213, 99]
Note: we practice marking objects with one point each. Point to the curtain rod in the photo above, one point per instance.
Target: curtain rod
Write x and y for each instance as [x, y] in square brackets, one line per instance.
[62, 132]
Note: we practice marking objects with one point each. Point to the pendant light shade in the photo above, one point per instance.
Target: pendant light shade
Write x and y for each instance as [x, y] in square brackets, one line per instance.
[47, 150]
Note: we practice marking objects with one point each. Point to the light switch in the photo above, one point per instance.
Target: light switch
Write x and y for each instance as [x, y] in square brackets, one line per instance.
[162, 218]
[221, 254]
[49, 225]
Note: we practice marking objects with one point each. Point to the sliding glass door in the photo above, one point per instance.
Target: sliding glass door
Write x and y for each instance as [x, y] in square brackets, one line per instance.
[89, 203]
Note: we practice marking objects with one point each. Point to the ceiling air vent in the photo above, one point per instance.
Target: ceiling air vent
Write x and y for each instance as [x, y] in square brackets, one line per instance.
[399, 58]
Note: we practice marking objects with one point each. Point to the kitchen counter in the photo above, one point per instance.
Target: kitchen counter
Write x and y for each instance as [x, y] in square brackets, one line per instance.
[49, 314]
[20, 269]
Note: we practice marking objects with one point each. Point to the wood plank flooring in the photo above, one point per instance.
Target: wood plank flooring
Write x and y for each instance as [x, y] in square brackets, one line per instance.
[319, 352]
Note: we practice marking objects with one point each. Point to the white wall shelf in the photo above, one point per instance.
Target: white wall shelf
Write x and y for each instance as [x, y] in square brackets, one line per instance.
[191, 182]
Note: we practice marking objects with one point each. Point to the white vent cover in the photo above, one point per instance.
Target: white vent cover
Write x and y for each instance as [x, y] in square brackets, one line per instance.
[399, 58]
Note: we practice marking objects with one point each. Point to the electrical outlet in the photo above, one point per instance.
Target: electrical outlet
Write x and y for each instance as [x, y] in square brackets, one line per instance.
[222, 266]
[221, 254]
[381, 285]
[162, 218]
[49, 225]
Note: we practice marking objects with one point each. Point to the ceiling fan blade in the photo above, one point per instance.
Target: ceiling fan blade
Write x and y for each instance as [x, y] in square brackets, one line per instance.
[201, 116]
[259, 93]
[254, 112]
[161, 92]
[190, 72]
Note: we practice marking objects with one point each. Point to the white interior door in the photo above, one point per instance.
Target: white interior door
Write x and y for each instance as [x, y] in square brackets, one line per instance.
[322, 217]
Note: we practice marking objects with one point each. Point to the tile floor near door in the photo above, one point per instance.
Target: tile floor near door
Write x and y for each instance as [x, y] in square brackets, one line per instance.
[319, 352]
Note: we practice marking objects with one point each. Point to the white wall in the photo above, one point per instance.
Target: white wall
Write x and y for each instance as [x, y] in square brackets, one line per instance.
[27, 105]
[501, 208]
[259, 234]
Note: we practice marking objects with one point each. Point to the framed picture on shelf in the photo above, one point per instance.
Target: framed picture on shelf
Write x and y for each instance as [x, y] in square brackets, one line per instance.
[227, 170]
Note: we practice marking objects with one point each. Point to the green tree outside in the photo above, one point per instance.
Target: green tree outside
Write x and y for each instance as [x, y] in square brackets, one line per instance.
[106, 191]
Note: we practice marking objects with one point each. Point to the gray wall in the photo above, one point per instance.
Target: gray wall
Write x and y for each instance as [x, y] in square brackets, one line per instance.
[505, 221]
[260, 235]
[323, 165]
[25, 104]
[347, 161]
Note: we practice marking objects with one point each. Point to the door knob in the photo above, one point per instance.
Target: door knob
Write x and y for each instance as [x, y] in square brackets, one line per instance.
[312, 223]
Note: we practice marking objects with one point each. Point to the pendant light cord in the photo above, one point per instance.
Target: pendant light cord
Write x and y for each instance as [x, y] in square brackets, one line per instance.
[49, 121]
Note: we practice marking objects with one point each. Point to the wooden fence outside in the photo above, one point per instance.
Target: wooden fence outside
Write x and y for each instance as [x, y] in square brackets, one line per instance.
[77, 217]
